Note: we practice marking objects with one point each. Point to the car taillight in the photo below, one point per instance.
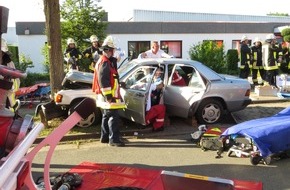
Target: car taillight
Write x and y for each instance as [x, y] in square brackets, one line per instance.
[58, 98]
[248, 92]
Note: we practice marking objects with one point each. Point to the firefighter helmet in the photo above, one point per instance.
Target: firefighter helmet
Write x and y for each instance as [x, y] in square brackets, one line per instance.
[108, 43]
[244, 38]
[4, 46]
[257, 39]
[270, 37]
[94, 38]
[70, 41]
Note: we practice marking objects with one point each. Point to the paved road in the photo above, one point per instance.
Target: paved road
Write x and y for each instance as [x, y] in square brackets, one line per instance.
[172, 150]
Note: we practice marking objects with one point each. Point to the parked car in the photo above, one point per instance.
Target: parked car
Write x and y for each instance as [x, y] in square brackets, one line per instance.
[204, 94]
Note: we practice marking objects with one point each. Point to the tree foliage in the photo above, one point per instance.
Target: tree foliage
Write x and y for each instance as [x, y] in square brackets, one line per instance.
[80, 20]
[209, 53]
[277, 14]
[286, 34]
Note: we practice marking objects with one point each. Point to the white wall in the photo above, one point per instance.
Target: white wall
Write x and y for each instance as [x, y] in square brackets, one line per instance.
[11, 36]
[31, 46]
[188, 40]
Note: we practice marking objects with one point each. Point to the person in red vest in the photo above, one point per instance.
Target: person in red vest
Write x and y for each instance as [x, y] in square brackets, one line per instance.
[106, 86]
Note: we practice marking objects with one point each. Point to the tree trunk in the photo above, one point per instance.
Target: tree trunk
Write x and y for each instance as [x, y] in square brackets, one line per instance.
[52, 16]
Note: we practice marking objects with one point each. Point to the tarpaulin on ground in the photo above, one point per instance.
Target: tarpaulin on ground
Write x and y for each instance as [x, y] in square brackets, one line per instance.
[106, 176]
[39, 89]
[270, 134]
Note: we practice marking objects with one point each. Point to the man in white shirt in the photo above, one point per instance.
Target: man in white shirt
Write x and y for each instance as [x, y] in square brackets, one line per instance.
[154, 52]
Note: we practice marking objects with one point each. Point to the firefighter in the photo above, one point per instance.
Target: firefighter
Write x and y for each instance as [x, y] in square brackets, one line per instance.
[93, 52]
[245, 56]
[72, 54]
[106, 86]
[257, 64]
[273, 56]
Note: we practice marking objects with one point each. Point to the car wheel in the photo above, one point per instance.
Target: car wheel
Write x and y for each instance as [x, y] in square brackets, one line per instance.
[93, 118]
[209, 111]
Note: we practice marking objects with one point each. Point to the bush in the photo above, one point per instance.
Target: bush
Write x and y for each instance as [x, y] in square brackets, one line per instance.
[24, 63]
[209, 53]
[286, 34]
[34, 78]
[232, 59]
[14, 53]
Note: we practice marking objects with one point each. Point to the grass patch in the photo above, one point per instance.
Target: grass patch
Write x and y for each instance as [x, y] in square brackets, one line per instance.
[54, 123]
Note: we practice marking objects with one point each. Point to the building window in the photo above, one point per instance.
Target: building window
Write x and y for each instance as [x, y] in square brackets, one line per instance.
[137, 47]
[172, 48]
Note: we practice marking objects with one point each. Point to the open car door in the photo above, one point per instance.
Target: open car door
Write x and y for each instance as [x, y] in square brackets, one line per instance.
[135, 93]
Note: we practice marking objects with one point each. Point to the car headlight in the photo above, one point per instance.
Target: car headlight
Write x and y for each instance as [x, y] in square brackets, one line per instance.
[58, 98]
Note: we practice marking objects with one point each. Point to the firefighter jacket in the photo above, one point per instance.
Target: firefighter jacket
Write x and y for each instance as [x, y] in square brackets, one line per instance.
[89, 52]
[106, 84]
[245, 56]
[257, 62]
[73, 52]
[272, 53]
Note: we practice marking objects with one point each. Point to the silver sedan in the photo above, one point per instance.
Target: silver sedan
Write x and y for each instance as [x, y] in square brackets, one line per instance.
[202, 93]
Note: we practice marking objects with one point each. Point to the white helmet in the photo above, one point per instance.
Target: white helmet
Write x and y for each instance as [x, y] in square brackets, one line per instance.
[257, 39]
[270, 37]
[108, 43]
[4, 46]
[70, 41]
[244, 38]
[94, 38]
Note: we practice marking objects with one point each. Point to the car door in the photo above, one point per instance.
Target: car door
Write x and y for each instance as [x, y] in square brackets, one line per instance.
[135, 94]
[179, 98]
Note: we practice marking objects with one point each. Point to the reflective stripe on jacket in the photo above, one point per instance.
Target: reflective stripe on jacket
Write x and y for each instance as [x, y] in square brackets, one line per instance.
[270, 62]
[257, 57]
[106, 85]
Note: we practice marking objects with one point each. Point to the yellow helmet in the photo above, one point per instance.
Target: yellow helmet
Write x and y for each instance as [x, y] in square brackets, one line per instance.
[94, 38]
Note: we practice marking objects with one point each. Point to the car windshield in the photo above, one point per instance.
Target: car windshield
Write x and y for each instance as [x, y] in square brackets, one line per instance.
[126, 67]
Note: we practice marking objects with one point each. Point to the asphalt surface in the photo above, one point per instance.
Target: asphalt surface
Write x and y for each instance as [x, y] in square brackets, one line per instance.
[173, 150]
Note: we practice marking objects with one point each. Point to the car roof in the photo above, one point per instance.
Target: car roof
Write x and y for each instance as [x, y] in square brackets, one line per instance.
[203, 69]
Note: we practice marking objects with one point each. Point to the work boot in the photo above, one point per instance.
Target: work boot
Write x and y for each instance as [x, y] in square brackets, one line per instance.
[117, 144]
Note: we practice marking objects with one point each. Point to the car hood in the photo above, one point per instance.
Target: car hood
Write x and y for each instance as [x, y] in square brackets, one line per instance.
[78, 76]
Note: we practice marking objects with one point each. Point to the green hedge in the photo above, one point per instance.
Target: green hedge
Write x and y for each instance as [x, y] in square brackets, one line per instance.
[232, 61]
[14, 52]
[34, 78]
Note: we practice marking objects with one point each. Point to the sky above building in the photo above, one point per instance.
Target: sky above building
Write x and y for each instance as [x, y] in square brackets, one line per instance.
[122, 10]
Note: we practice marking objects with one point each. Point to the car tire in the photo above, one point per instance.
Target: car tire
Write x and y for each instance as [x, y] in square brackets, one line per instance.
[93, 118]
[209, 111]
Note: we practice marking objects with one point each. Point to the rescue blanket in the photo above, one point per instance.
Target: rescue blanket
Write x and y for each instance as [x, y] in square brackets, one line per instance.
[270, 134]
